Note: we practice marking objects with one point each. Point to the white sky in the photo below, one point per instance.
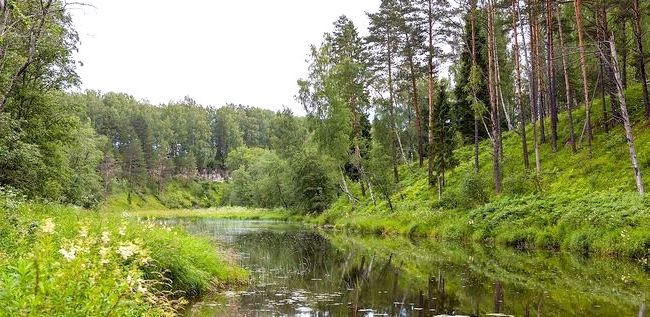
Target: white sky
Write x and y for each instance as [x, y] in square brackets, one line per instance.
[216, 51]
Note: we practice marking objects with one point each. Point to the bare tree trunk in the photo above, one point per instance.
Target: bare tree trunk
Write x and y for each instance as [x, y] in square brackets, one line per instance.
[518, 94]
[539, 78]
[602, 96]
[550, 69]
[636, 9]
[567, 84]
[583, 67]
[534, 92]
[626, 118]
[496, 157]
[500, 91]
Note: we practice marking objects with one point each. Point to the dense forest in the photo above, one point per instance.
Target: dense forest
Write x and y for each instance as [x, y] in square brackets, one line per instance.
[552, 73]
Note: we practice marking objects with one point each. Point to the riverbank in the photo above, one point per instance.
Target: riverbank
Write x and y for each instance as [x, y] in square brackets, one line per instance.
[609, 224]
[601, 223]
[55, 260]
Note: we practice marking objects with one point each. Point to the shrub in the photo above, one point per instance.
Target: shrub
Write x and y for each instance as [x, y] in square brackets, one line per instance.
[473, 190]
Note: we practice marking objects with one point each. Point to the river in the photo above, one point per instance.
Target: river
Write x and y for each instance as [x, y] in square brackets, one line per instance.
[302, 271]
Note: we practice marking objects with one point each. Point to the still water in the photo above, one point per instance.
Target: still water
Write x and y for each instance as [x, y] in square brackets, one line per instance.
[300, 271]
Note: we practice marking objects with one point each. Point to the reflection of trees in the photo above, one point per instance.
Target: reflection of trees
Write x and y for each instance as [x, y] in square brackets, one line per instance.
[432, 279]
[487, 280]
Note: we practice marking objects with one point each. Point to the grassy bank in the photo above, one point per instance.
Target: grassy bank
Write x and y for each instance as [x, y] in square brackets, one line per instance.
[175, 194]
[238, 213]
[57, 260]
[612, 224]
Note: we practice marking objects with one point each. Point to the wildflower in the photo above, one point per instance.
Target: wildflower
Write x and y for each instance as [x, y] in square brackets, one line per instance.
[103, 254]
[48, 226]
[83, 232]
[125, 214]
[69, 254]
[127, 250]
[106, 237]
[141, 288]
[129, 280]
[122, 230]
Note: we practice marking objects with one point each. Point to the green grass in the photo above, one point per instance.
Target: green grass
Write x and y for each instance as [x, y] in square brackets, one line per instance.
[578, 203]
[239, 213]
[176, 194]
[57, 260]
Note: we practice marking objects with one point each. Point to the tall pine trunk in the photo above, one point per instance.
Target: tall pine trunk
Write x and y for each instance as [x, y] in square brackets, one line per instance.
[567, 84]
[518, 94]
[541, 103]
[583, 68]
[492, 81]
[393, 123]
[550, 69]
[418, 116]
[472, 16]
[430, 87]
[638, 35]
[532, 82]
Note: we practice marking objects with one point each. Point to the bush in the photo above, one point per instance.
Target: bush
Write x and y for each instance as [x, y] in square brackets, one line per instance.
[518, 184]
[473, 190]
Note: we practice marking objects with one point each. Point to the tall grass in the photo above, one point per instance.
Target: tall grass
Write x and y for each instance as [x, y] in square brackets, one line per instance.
[57, 260]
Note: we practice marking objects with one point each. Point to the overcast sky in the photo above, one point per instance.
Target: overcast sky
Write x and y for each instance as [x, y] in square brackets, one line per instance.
[222, 51]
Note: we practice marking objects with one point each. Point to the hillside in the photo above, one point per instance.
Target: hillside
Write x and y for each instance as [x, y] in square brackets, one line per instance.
[576, 203]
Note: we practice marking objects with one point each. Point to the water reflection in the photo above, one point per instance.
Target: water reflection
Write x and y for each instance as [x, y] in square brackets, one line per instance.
[298, 271]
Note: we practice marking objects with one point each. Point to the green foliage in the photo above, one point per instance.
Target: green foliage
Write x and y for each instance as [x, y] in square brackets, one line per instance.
[472, 190]
[57, 260]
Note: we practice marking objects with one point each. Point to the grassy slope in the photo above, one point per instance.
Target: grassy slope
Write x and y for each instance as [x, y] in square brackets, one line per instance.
[36, 278]
[175, 195]
[577, 203]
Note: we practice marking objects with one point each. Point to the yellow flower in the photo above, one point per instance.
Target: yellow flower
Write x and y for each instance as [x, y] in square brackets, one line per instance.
[48, 226]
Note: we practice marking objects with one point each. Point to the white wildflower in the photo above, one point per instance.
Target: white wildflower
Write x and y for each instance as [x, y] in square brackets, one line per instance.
[103, 253]
[69, 254]
[106, 237]
[129, 280]
[83, 232]
[141, 288]
[125, 214]
[122, 230]
[127, 250]
[48, 226]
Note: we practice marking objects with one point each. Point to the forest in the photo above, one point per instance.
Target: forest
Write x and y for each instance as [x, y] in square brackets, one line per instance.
[514, 122]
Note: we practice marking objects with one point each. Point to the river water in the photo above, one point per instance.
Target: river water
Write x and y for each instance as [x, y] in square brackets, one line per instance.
[302, 271]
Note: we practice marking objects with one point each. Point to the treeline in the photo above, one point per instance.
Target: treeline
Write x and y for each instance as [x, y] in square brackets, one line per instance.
[374, 104]
[377, 102]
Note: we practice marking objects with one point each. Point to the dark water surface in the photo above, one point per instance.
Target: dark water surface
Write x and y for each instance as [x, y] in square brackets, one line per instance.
[299, 271]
